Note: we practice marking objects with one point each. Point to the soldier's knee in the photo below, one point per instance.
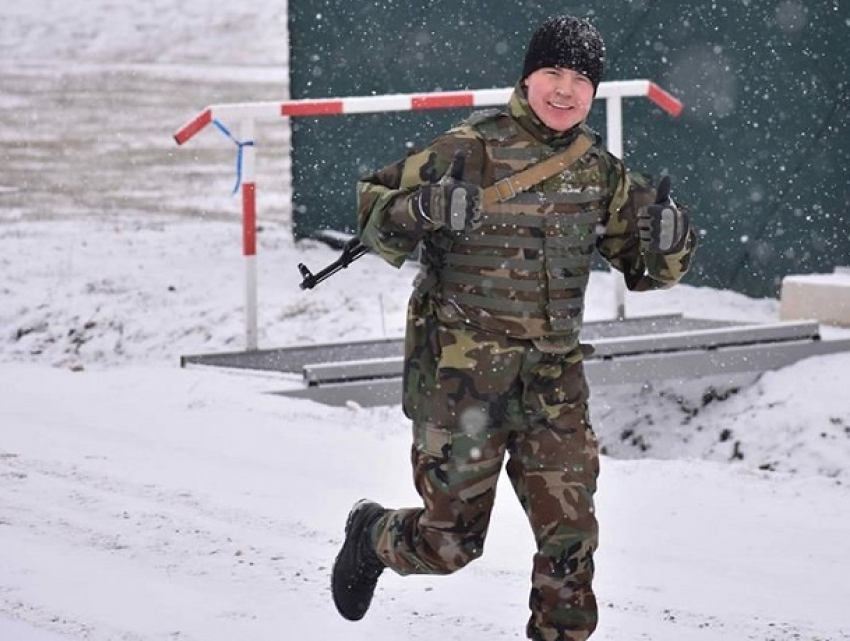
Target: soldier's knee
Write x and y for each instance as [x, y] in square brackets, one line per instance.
[455, 553]
[471, 554]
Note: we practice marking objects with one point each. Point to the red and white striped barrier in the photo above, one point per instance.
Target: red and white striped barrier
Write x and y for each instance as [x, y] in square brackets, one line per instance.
[248, 113]
[405, 102]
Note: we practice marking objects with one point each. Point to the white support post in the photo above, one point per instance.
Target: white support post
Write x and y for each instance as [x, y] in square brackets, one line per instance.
[249, 230]
[614, 142]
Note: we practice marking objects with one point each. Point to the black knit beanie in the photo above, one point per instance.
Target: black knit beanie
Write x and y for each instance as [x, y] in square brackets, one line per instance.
[569, 42]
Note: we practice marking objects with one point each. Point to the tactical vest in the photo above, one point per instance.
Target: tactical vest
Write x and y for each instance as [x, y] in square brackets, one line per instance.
[525, 270]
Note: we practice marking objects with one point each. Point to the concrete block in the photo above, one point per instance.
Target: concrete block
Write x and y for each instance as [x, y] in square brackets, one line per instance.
[821, 297]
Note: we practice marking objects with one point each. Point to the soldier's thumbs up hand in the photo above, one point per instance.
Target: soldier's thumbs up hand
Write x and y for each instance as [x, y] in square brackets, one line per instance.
[455, 170]
[451, 202]
[662, 193]
[662, 226]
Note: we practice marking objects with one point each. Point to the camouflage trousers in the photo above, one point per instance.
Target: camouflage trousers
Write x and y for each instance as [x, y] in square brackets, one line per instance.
[476, 399]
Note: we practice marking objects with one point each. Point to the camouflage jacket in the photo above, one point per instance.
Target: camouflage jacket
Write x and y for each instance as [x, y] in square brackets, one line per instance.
[559, 221]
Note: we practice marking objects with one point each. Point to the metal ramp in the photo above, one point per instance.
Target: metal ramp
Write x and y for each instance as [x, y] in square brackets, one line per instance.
[293, 359]
[628, 351]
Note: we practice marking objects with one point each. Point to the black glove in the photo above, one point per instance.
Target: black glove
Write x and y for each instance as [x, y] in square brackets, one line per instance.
[663, 227]
[452, 201]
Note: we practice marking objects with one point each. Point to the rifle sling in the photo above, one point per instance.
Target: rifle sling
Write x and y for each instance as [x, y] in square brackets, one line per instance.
[524, 180]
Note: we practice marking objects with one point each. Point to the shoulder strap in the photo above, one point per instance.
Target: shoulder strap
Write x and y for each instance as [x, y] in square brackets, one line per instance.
[521, 181]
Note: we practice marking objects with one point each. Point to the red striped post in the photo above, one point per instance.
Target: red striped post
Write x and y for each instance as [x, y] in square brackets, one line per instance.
[249, 219]
[249, 231]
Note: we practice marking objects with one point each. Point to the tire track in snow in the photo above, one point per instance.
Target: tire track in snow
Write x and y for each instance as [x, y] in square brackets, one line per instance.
[175, 530]
[172, 533]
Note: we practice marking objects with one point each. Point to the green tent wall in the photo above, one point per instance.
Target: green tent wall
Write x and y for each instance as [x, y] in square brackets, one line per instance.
[760, 155]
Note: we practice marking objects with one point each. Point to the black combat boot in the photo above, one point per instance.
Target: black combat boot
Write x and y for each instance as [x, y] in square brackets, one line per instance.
[357, 567]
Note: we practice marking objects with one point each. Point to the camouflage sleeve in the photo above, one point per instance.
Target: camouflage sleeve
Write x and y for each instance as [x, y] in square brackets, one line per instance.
[385, 221]
[620, 244]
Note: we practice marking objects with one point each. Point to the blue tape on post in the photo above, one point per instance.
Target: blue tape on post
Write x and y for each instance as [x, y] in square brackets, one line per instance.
[240, 145]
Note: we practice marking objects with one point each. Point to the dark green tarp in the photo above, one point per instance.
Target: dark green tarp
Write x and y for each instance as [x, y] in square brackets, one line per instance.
[761, 153]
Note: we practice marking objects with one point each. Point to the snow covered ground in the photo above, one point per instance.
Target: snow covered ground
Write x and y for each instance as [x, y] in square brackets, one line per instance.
[141, 501]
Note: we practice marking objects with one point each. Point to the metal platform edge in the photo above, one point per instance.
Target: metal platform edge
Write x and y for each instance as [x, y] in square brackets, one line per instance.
[293, 358]
[670, 342]
[269, 359]
[623, 370]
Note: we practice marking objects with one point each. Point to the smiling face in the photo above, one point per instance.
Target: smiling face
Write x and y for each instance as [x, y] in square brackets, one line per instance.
[561, 98]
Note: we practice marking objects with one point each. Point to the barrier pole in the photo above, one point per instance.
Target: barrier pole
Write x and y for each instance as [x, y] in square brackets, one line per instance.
[247, 113]
[249, 231]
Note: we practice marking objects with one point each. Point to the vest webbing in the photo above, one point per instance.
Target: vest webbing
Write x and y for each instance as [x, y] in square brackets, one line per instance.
[523, 272]
[509, 187]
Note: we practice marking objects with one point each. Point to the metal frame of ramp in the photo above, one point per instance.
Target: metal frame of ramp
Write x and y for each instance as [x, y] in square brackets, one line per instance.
[617, 361]
[628, 351]
[293, 359]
